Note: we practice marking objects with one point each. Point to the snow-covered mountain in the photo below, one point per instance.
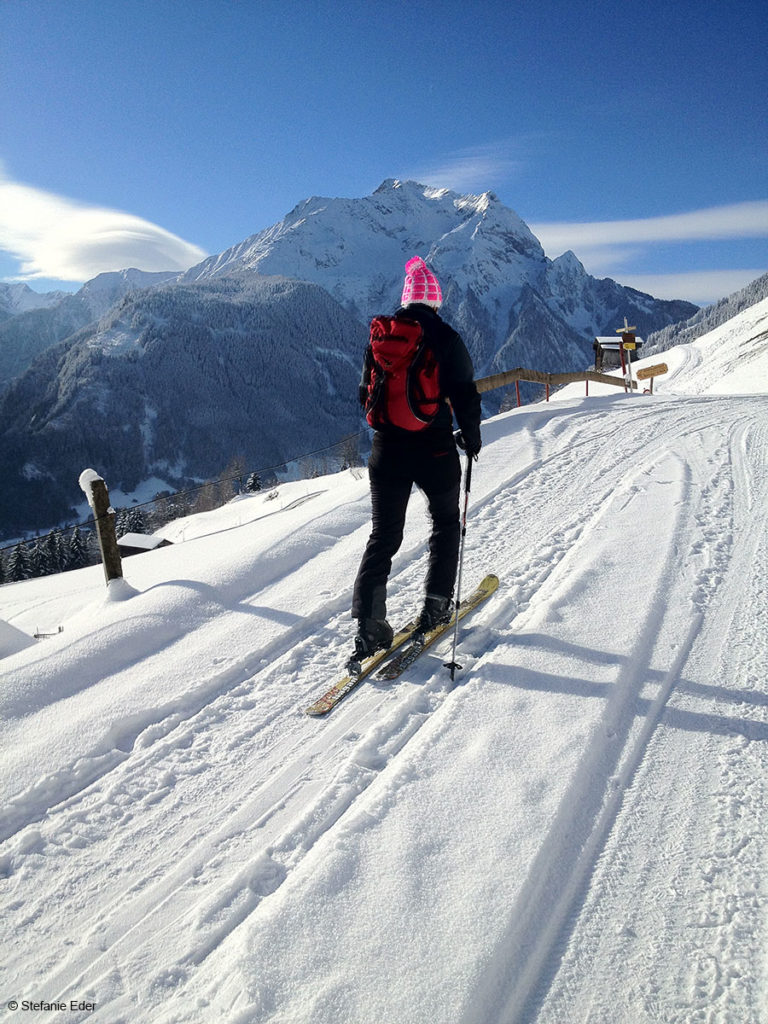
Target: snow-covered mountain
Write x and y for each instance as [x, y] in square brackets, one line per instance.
[104, 291]
[509, 301]
[159, 375]
[37, 322]
[500, 289]
[20, 298]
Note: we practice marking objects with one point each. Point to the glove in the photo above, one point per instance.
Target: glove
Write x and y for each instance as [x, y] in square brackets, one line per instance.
[469, 441]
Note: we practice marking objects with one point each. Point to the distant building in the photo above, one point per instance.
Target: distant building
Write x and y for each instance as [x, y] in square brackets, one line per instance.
[607, 355]
[136, 543]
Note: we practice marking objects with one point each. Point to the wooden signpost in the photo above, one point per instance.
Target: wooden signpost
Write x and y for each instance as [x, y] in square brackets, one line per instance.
[627, 344]
[649, 372]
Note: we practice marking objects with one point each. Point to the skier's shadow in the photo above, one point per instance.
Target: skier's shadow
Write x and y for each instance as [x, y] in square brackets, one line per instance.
[679, 718]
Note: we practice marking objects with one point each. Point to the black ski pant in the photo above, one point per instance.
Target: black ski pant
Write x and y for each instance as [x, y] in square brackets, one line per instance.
[395, 465]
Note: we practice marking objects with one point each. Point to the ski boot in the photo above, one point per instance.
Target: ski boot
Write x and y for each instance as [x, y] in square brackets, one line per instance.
[372, 635]
[436, 612]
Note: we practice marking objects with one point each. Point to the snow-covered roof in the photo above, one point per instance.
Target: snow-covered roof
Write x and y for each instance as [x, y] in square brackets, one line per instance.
[141, 540]
[12, 639]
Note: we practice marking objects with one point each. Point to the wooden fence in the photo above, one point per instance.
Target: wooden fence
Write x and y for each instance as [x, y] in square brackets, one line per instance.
[556, 380]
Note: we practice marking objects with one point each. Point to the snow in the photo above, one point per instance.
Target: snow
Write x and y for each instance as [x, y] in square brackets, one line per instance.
[86, 480]
[574, 831]
[12, 639]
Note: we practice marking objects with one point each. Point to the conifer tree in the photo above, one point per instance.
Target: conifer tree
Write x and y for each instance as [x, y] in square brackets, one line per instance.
[45, 556]
[135, 521]
[60, 552]
[78, 551]
[18, 564]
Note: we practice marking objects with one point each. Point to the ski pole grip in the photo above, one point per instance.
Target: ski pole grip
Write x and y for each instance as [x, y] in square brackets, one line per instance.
[468, 480]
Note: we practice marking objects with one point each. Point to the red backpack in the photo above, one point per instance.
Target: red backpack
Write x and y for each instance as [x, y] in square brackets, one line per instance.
[404, 379]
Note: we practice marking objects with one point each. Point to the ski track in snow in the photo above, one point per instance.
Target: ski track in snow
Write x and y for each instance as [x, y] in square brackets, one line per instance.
[154, 888]
[546, 914]
[715, 735]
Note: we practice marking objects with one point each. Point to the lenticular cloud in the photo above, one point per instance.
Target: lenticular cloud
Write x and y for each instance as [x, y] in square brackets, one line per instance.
[56, 237]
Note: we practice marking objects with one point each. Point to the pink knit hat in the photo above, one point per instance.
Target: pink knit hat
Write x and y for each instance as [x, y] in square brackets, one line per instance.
[421, 285]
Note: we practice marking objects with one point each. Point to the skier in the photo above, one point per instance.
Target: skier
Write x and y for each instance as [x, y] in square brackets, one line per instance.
[426, 457]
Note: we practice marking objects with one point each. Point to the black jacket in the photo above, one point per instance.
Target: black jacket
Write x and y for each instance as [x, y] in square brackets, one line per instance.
[457, 376]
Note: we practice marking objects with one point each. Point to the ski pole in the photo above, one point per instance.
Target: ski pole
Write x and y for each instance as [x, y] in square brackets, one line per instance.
[452, 665]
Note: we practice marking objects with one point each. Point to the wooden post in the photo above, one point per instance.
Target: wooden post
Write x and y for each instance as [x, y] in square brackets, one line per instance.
[98, 498]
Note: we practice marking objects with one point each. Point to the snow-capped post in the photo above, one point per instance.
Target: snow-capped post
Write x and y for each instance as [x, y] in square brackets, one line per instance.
[96, 492]
[627, 344]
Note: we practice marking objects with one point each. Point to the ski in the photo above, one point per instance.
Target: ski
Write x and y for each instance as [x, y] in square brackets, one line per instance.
[336, 693]
[421, 642]
[406, 657]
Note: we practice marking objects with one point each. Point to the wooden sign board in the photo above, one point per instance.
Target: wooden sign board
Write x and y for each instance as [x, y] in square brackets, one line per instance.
[652, 371]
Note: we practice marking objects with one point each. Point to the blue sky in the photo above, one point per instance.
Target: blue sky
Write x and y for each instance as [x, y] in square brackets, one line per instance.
[152, 132]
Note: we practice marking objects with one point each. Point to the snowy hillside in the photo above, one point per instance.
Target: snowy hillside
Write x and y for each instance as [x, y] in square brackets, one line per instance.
[574, 831]
[708, 318]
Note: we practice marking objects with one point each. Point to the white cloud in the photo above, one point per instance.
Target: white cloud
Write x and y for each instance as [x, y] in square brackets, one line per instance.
[701, 287]
[607, 247]
[738, 220]
[58, 238]
[477, 168]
